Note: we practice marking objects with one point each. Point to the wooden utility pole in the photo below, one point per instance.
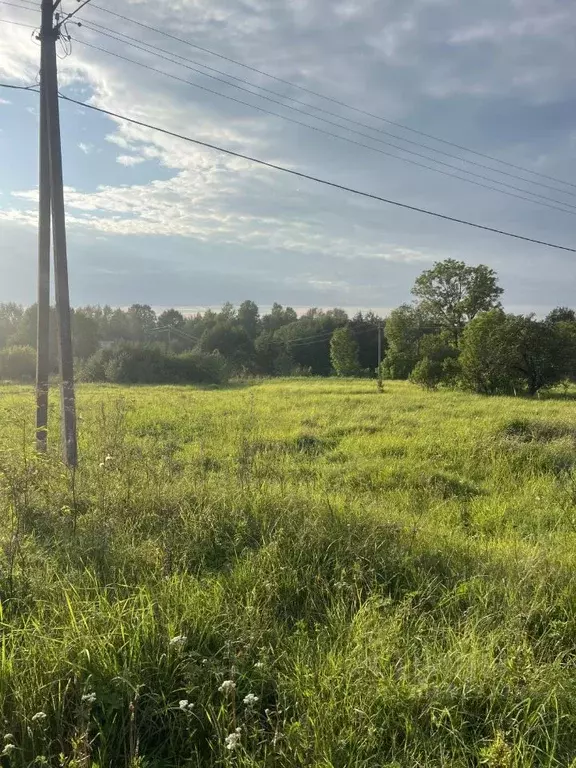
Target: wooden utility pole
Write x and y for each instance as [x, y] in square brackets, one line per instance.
[379, 369]
[49, 96]
[43, 320]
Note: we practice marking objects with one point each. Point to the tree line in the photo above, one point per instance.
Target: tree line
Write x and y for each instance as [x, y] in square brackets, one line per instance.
[137, 344]
[455, 333]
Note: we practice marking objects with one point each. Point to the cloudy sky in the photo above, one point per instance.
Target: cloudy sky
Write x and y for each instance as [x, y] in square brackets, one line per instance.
[154, 219]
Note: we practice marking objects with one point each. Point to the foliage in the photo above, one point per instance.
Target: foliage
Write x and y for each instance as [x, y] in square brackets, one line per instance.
[438, 363]
[17, 363]
[452, 293]
[131, 363]
[344, 352]
[486, 358]
[387, 580]
[561, 315]
[508, 353]
[405, 327]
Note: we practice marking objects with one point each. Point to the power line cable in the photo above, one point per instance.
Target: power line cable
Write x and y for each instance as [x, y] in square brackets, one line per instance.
[17, 23]
[122, 37]
[329, 98]
[74, 12]
[323, 337]
[19, 6]
[345, 138]
[301, 175]
[135, 44]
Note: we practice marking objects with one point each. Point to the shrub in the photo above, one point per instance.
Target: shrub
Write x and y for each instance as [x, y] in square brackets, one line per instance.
[17, 363]
[149, 364]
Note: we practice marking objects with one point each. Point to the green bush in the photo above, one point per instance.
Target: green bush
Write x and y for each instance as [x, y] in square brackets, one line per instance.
[17, 363]
[149, 364]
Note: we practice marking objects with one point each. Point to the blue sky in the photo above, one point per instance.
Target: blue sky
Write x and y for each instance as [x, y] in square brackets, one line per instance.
[153, 219]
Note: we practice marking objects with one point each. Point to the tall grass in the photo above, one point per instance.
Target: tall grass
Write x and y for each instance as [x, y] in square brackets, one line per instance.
[391, 575]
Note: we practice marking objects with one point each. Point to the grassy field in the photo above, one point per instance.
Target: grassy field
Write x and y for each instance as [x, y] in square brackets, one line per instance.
[293, 573]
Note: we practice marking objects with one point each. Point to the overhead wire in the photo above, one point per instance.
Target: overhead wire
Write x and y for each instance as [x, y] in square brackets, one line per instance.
[122, 37]
[345, 138]
[17, 23]
[546, 200]
[328, 98]
[302, 175]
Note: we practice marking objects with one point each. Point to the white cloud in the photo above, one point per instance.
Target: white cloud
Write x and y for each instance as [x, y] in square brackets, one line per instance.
[86, 148]
[4, 101]
[439, 65]
[129, 160]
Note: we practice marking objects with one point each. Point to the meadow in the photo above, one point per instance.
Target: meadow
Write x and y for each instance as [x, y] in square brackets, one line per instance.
[290, 573]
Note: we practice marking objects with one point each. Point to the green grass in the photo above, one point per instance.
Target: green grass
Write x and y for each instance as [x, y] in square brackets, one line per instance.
[392, 575]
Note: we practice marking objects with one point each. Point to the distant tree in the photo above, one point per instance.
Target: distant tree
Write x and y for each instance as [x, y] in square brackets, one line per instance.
[171, 317]
[119, 328]
[231, 341]
[566, 338]
[307, 340]
[453, 293]
[228, 312]
[10, 317]
[561, 315]
[17, 363]
[344, 353]
[269, 349]
[85, 334]
[26, 332]
[404, 330]
[538, 352]
[365, 328]
[248, 317]
[141, 321]
[278, 317]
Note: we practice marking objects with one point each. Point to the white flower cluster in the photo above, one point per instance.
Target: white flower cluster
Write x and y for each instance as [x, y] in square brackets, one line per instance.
[185, 705]
[39, 717]
[250, 700]
[89, 698]
[178, 641]
[233, 739]
[227, 686]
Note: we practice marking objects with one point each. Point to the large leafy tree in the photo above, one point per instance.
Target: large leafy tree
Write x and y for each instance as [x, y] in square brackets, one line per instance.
[404, 330]
[504, 353]
[451, 294]
[486, 359]
[344, 352]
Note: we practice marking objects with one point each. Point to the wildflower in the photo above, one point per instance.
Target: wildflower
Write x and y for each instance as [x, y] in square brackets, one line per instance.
[102, 465]
[204, 662]
[89, 698]
[227, 685]
[250, 700]
[108, 458]
[8, 748]
[185, 705]
[39, 717]
[259, 665]
[232, 740]
[178, 641]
